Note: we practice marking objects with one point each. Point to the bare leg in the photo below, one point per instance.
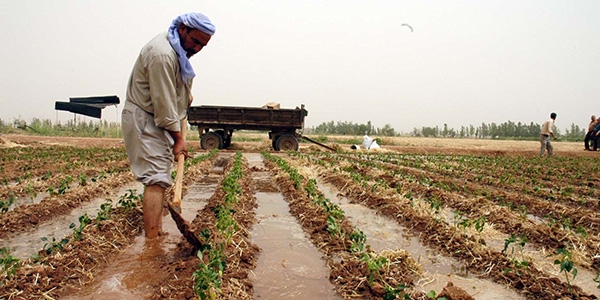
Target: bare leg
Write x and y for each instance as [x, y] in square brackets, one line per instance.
[153, 205]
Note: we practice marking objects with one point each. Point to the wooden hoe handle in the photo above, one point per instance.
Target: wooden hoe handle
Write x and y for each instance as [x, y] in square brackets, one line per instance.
[180, 165]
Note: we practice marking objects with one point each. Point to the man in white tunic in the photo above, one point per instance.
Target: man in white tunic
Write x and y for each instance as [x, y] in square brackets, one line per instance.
[158, 96]
[547, 131]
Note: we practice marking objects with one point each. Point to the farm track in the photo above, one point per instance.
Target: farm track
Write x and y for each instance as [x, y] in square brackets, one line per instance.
[534, 284]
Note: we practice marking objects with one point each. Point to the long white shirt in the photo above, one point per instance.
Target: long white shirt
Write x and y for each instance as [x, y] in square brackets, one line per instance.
[155, 84]
[548, 127]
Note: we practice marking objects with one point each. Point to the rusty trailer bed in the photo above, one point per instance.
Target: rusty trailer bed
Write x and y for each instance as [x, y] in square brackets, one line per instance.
[216, 124]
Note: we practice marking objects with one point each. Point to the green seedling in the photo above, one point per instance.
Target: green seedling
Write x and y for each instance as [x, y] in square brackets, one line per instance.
[392, 293]
[54, 245]
[129, 200]
[84, 220]
[5, 205]
[566, 264]
[8, 263]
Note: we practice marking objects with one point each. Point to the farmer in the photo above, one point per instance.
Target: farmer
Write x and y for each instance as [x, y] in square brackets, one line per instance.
[158, 96]
[596, 136]
[589, 136]
[547, 131]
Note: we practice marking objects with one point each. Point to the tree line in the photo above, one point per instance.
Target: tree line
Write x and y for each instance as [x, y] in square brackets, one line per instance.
[506, 130]
[89, 128]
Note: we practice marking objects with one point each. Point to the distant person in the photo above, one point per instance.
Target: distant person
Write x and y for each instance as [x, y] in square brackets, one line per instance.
[547, 131]
[369, 143]
[158, 96]
[589, 136]
[596, 136]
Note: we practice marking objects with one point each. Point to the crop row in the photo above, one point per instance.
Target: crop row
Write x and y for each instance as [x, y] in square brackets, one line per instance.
[562, 224]
[64, 266]
[356, 269]
[392, 195]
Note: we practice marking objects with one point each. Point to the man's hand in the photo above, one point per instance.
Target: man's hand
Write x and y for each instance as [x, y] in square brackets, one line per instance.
[180, 146]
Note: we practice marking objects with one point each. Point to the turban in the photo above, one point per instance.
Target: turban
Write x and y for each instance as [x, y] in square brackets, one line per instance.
[192, 20]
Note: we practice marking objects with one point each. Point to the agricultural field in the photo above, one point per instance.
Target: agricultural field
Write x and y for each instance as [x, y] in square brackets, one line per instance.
[416, 219]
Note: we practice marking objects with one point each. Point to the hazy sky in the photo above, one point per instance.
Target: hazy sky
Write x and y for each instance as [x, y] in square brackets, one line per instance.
[466, 62]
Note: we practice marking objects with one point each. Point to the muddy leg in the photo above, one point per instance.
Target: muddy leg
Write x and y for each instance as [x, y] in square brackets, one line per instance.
[153, 199]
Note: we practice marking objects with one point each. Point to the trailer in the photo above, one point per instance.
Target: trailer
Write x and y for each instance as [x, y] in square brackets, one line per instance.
[216, 124]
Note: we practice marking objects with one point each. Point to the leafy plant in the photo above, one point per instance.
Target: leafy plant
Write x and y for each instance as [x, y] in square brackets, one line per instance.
[129, 200]
[374, 264]
[566, 264]
[479, 225]
[358, 239]
[432, 295]
[8, 263]
[84, 220]
[5, 205]
[105, 211]
[392, 293]
[82, 179]
[54, 245]
[207, 277]
[519, 264]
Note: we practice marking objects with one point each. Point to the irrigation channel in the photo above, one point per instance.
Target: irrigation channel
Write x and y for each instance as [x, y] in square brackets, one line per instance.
[273, 226]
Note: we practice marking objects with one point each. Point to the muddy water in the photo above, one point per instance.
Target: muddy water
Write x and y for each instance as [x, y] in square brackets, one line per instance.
[383, 233]
[289, 266]
[133, 270]
[23, 245]
[28, 200]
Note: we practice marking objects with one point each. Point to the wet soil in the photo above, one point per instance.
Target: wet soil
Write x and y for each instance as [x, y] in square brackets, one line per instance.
[282, 247]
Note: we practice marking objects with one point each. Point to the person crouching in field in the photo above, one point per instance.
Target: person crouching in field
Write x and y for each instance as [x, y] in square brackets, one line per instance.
[589, 136]
[547, 131]
[158, 96]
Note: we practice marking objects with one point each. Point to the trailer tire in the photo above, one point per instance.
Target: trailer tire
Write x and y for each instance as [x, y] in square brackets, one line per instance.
[226, 138]
[287, 142]
[211, 140]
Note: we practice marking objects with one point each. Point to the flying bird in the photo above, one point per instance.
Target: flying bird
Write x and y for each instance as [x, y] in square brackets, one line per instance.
[411, 29]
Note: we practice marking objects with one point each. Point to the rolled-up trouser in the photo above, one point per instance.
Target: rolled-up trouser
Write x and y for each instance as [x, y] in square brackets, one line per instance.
[149, 148]
[545, 144]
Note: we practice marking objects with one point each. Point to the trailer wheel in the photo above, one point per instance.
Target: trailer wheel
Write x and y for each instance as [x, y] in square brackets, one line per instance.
[226, 138]
[287, 142]
[211, 140]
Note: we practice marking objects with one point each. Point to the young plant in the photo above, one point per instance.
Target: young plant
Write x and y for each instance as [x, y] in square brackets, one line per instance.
[479, 225]
[358, 239]
[54, 245]
[8, 263]
[374, 264]
[5, 205]
[520, 241]
[392, 293]
[84, 220]
[129, 200]
[105, 211]
[566, 264]
[207, 277]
